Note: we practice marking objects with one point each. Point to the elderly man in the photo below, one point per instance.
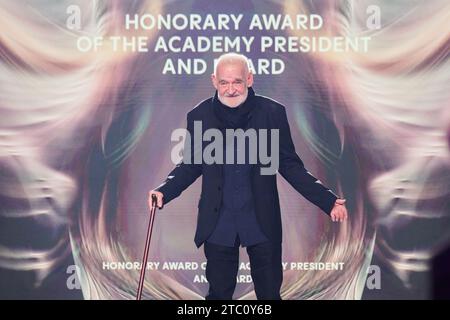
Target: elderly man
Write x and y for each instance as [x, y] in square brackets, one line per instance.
[239, 204]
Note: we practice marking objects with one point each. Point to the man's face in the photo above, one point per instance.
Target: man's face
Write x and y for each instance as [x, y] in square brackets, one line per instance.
[232, 81]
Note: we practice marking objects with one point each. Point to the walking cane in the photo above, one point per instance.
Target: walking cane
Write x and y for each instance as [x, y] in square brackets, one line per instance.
[147, 247]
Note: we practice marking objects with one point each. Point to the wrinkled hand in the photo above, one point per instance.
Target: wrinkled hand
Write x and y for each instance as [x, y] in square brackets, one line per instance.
[159, 199]
[339, 212]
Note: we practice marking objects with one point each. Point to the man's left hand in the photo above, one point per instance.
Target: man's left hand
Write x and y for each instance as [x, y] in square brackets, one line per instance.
[339, 212]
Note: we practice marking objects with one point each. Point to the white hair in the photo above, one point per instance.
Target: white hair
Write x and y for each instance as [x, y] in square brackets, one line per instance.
[232, 58]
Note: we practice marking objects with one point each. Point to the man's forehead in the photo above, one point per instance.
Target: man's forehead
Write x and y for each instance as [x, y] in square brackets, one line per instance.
[235, 69]
[229, 79]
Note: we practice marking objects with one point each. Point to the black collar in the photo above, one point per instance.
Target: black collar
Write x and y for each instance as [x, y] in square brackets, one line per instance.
[237, 117]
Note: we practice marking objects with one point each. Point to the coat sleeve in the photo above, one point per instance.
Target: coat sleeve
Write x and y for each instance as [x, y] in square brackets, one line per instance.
[293, 170]
[185, 172]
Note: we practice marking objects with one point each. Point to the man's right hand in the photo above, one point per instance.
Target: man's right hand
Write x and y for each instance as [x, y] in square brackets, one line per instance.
[159, 197]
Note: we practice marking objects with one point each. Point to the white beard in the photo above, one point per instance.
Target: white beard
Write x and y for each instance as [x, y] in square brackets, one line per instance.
[237, 101]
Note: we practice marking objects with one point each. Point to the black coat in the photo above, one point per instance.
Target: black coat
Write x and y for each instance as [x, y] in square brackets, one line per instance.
[266, 114]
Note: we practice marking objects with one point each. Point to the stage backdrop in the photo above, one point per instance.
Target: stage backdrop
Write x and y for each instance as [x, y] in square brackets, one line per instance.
[91, 91]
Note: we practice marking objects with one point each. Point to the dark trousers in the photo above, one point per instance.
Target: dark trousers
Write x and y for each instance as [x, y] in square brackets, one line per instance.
[222, 265]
